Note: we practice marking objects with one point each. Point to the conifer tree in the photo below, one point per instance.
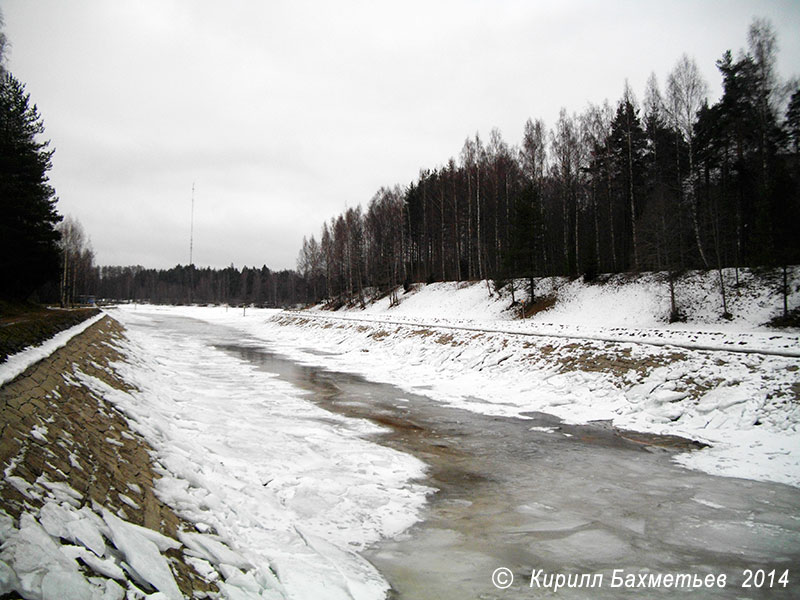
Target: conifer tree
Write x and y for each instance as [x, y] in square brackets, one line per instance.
[28, 239]
[627, 142]
[792, 124]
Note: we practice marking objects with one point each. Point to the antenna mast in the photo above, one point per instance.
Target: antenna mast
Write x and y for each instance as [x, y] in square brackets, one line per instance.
[191, 229]
[191, 248]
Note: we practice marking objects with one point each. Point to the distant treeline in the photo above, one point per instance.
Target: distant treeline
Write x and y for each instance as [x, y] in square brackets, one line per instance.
[668, 183]
[184, 285]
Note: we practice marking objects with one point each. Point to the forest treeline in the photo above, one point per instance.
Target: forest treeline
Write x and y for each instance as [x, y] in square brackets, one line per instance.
[667, 183]
[189, 284]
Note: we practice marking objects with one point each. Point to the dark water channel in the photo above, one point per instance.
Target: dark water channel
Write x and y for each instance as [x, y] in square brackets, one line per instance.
[571, 500]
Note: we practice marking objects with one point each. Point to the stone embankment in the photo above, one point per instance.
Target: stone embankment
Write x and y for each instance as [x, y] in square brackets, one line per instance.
[22, 326]
[58, 432]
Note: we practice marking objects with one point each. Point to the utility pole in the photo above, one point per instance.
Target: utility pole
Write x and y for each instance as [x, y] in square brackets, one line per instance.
[191, 248]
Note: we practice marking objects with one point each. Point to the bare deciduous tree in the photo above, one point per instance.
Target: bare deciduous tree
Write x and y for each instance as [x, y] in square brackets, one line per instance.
[686, 93]
[77, 261]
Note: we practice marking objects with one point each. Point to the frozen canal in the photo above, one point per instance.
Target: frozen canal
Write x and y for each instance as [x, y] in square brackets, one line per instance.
[534, 496]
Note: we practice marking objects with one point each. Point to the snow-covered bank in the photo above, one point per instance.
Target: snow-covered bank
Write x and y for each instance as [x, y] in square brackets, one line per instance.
[17, 363]
[75, 486]
[621, 308]
[290, 492]
[278, 495]
[744, 405]
[612, 301]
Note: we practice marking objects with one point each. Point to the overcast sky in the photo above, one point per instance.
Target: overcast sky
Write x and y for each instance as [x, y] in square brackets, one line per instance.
[283, 113]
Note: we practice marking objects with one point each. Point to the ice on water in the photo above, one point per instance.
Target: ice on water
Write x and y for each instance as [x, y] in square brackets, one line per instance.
[283, 492]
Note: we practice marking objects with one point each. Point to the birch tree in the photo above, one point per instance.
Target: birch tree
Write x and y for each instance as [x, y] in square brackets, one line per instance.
[686, 94]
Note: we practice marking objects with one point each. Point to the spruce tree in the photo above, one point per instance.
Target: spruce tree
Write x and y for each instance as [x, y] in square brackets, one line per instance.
[28, 239]
[628, 145]
[792, 124]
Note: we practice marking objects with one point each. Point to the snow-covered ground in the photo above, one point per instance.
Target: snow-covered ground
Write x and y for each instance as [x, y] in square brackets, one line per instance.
[454, 343]
[620, 309]
[616, 301]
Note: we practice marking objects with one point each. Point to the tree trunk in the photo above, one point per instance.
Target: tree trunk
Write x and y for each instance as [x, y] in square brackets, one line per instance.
[785, 292]
[673, 308]
[478, 223]
[611, 215]
[441, 239]
[470, 270]
[456, 232]
[633, 204]
[693, 205]
[725, 313]
[596, 226]
[577, 241]
[565, 217]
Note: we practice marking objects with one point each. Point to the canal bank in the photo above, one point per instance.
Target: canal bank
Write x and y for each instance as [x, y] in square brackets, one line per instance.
[68, 457]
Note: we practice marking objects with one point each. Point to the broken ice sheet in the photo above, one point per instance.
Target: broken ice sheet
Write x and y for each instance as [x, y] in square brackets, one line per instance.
[213, 550]
[103, 566]
[82, 526]
[142, 555]
[61, 491]
[39, 569]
